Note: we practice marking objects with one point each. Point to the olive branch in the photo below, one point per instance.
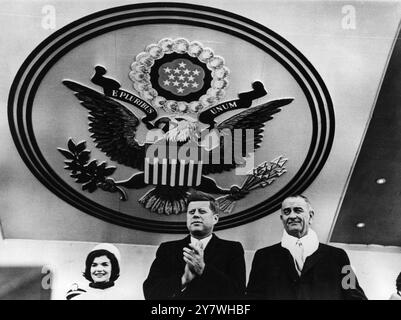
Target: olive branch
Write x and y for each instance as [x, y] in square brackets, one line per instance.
[89, 173]
[260, 177]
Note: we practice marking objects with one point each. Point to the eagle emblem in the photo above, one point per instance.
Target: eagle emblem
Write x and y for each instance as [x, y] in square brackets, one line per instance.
[179, 85]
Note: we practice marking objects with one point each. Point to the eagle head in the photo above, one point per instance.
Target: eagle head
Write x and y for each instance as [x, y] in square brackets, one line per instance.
[182, 129]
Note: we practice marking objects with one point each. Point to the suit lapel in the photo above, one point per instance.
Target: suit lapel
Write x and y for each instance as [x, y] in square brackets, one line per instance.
[313, 259]
[209, 252]
[183, 243]
[289, 264]
[211, 248]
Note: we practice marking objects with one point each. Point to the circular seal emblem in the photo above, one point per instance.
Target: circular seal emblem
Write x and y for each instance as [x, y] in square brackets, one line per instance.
[124, 112]
[179, 75]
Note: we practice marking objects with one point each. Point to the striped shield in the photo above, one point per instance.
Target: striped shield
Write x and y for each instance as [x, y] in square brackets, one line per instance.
[166, 165]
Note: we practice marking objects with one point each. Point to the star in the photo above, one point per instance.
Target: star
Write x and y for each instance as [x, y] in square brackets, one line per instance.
[176, 83]
[180, 90]
[190, 78]
[196, 72]
[181, 77]
[186, 71]
[185, 84]
[195, 85]
[182, 64]
[171, 77]
[166, 82]
[167, 70]
[176, 70]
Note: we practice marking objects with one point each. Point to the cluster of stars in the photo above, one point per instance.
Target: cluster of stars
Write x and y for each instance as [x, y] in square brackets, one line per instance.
[181, 77]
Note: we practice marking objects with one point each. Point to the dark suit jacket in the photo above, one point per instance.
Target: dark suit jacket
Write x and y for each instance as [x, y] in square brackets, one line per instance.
[223, 277]
[273, 275]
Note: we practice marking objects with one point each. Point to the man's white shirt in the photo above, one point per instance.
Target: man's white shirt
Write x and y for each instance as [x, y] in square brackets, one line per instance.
[203, 241]
[300, 248]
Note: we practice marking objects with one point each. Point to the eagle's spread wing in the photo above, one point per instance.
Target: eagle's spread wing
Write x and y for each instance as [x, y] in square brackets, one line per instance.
[252, 118]
[112, 125]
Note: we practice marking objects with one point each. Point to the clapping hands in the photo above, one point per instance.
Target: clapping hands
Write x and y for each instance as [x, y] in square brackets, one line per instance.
[195, 264]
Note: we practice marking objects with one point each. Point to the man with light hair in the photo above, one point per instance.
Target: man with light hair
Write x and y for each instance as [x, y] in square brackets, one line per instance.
[299, 267]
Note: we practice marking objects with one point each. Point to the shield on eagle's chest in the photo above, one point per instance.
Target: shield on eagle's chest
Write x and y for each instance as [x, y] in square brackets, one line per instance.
[171, 165]
[124, 112]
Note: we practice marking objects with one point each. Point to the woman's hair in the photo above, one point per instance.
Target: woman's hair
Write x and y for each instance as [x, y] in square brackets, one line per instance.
[398, 282]
[115, 267]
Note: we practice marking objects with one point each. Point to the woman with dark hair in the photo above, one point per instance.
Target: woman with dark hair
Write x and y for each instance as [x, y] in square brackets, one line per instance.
[102, 269]
[397, 296]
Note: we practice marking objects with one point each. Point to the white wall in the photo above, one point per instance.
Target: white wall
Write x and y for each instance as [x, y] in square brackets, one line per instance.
[376, 267]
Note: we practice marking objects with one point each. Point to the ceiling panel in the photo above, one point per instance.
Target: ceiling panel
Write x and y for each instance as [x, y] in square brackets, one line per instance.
[371, 210]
